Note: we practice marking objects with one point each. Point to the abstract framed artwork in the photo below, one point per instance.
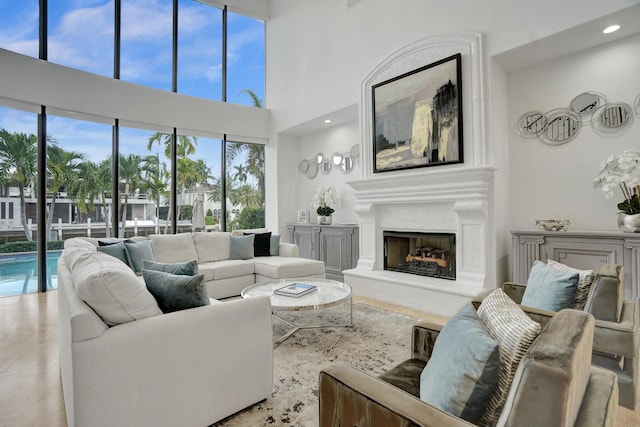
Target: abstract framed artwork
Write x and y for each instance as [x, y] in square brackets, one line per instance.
[417, 117]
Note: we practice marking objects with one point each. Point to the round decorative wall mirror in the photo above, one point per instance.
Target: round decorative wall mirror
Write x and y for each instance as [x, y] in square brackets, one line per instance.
[325, 166]
[531, 123]
[319, 158]
[312, 172]
[585, 104]
[612, 116]
[303, 166]
[336, 157]
[562, 126]
[346, 165]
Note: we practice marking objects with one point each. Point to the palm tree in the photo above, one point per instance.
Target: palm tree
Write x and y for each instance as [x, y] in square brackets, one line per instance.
[131, 176]
[63, 168]
[18, 164]
[257, 102]
[155, 176]
[94, 184]
[240, 174]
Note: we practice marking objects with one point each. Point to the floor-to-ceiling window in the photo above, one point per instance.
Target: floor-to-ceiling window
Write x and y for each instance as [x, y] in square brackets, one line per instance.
[139, 42]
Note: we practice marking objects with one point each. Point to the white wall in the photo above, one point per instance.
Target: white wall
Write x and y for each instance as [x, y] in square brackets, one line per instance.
[556, 181]
[339, 138]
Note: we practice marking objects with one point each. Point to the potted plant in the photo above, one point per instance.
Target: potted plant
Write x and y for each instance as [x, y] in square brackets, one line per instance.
[623, 171]
[325, 199]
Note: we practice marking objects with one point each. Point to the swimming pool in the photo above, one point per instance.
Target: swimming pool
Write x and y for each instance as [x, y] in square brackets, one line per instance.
[19, 272]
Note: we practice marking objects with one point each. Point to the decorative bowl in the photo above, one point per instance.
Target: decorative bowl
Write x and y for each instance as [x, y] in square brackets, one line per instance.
[553, 224]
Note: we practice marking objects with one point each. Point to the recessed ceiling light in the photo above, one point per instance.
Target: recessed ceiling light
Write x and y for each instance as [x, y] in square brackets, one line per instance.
[327, 121]
[611, 29]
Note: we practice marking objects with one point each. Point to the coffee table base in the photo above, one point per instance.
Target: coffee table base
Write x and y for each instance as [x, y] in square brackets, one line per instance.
[296, 328]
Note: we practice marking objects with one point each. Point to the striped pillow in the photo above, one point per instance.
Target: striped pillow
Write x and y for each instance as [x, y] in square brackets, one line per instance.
[514, 331]
[585, 279]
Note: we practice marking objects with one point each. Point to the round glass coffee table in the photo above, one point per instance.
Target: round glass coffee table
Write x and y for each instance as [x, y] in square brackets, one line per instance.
[327, 293]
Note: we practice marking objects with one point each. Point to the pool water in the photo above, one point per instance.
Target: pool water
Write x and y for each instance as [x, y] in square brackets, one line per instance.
[19, 272]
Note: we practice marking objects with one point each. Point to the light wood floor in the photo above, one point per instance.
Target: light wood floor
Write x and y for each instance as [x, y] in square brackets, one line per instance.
[30, 389]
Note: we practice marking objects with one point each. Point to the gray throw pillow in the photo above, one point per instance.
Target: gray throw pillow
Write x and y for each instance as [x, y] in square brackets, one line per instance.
[549, 288]
[463, 370]
[275, 245]
[189, 268]
[241, 247]
[116, 250]
[174, 292]
[137, 252]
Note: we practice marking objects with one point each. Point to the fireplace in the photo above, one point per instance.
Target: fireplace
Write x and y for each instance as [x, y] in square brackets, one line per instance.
[424, 254]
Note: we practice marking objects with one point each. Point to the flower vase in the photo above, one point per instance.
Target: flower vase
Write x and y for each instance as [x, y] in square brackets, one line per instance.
[629, 223]
[324, 219]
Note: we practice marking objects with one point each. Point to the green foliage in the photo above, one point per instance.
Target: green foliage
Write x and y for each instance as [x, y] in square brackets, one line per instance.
[29, 246]
[186, 212]
[209, 220]
[251, 217]
[325, 210]
[209, 212]
[630, 206]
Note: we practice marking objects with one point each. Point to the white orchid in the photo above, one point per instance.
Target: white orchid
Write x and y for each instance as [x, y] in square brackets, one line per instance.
[621, 171]
[325, 200]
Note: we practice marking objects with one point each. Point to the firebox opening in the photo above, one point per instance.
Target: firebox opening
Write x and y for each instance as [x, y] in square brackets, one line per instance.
[426, 254]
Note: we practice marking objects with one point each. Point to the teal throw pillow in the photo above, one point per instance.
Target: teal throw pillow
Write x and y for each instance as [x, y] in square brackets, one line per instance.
[549, 288]
[189, 268]
[241, 247]
[174, 292]
[261, 243]
[275, 245]
[116, 250]
[137, 252]
[463, 370]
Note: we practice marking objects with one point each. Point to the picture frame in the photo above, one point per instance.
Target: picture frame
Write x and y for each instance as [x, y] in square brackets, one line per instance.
[417, 117]
[303, 216]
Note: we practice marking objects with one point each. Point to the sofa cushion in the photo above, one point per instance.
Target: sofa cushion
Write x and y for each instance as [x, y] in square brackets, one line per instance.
[606, 294]
[109, 287]
[585, 279]
[275, 245]
[549, 288]
[226, 269]
[241, 247]
[514, 331]
[137, 252]
[261, 243]
[174, 247]
[212, 246]
[189, 268]
[278, 267]
[116, 250]
[463, 369]
[174, 292]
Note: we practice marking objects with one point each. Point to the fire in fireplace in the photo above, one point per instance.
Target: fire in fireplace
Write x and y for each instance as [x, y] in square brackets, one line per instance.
[426, 254]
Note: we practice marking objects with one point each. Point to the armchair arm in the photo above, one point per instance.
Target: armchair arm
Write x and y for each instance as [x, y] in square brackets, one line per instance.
[349, 397]
[515, 291]
[619, 338]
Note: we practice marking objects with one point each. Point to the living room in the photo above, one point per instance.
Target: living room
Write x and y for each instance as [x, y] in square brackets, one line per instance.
[320, 57]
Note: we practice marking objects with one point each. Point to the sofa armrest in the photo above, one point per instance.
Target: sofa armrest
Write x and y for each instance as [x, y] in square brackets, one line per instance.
[423, 339]
[209, 362]
[349, 397]
[289, 249]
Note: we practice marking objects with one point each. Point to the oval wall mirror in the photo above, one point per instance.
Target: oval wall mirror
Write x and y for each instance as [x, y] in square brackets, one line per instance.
[325, 166]
[562, 126]
[319, 158]
[612, 116]
[347, 164]
[312, 172]
[531, 123]
[585, 104]
[336, 158]
[304, 165]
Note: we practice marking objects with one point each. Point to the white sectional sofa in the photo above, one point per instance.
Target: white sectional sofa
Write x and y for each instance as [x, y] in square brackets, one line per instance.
[125, 363]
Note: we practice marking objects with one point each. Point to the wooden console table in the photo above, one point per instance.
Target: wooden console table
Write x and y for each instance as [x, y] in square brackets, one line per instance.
[336, 245]
[579, 249]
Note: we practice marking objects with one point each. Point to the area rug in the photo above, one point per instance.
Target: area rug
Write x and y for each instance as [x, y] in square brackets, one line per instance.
[378, 340]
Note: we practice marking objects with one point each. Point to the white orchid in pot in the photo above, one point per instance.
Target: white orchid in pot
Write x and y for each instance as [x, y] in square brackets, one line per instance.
[623, 172]
[325, 200]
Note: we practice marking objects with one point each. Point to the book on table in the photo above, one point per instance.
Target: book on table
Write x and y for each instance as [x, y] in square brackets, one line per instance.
[295, 289]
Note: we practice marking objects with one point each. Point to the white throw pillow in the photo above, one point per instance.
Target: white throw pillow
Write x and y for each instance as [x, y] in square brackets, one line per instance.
[514, 331]
[174, 247]
[585, 279]
[110, 288]
[212, 246]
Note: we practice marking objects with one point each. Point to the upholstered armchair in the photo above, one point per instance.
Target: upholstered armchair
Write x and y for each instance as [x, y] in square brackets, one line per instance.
[617, 324]
[554, 384]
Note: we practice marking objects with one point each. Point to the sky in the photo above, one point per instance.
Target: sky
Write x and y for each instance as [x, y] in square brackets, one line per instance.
[80, 35]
